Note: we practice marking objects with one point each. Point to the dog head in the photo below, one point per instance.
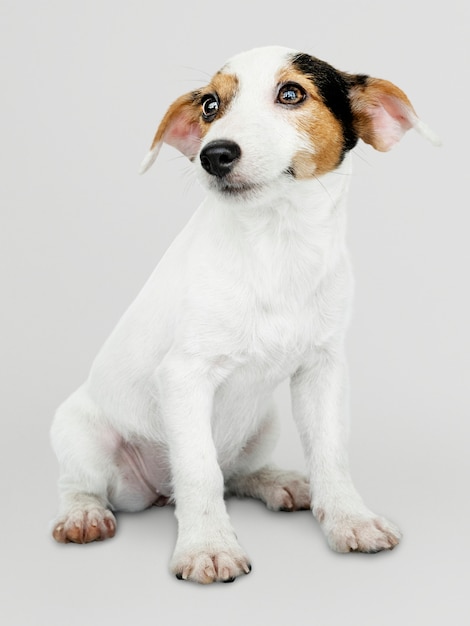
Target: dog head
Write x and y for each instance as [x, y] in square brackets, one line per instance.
[273, 114]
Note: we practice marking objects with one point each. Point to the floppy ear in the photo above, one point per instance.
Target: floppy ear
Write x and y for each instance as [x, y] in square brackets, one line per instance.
[179, 128]
[383, 113]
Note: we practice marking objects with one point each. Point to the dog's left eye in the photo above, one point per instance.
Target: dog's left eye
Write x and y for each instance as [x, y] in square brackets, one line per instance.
[291, 93]
[210, 106]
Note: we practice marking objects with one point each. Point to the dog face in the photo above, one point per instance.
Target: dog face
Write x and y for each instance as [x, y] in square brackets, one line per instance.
[273, 115]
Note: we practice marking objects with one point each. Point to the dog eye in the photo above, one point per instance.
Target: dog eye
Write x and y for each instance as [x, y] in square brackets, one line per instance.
[291, 93]
[210, 106]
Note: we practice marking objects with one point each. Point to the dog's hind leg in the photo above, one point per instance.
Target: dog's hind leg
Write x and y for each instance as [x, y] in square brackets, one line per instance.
[84, 448]
[85, 519]
[280, 490]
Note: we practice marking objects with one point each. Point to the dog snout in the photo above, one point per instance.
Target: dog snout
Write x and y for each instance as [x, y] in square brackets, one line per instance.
[219, 157]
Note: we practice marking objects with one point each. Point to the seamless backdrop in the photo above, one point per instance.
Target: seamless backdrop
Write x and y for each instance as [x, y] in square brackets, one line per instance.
[84, 85]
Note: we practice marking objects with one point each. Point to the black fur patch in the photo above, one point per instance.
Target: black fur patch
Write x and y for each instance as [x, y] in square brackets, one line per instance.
[333, 86]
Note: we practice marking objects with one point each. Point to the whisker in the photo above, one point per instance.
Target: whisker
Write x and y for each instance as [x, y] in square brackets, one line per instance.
[357, 152]
[336, 173]
[325, 189]
[196, 69]
[193, 80]
[176, 157]
[189, 182]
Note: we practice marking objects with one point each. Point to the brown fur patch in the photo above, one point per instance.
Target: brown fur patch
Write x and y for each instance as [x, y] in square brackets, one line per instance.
[319, 126]
[226, 87]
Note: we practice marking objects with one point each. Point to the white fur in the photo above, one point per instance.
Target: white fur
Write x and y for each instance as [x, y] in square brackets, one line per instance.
[179, 400]
[423, 129]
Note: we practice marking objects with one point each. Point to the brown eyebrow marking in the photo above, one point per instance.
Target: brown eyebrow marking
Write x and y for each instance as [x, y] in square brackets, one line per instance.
[225, 86]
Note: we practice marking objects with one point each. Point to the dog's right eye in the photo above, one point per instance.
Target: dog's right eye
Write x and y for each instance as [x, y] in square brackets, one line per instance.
[210, 106]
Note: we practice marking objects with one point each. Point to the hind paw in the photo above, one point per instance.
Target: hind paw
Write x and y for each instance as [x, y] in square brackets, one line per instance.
[83, 525]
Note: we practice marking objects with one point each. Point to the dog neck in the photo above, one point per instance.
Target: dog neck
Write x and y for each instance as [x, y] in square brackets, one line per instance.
[287, 240]
[289, 206]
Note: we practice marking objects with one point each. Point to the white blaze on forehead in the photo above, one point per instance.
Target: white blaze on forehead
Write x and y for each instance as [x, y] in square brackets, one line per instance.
[258, 68]
[271, 57]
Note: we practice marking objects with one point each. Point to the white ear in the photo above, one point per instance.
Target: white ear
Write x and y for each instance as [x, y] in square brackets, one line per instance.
[383, 114]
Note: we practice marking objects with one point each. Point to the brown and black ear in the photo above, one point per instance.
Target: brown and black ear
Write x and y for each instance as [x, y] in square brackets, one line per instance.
[179, 128]
[383, 113]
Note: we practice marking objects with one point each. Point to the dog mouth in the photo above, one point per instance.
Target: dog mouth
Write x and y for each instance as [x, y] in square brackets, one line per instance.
[229, 187]
[238, 188]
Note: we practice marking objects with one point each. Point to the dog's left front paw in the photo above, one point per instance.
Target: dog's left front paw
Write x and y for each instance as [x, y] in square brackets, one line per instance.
[361, 534]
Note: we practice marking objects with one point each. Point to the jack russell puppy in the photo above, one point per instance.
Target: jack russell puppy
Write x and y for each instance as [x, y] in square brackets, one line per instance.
[178, 406]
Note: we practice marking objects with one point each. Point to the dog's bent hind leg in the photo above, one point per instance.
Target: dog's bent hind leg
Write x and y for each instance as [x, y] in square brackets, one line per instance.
[85, 454]
[96, 474]
[255, 477]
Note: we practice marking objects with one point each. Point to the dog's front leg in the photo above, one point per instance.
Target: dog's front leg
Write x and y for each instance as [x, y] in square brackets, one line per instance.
[319, 400]
[207, 549]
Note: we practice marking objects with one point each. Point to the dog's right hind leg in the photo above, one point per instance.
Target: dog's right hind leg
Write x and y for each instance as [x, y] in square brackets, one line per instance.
[85, 449]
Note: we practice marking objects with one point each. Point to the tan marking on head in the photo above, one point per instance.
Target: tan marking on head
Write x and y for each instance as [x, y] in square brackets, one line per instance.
[226, 87]
[321, 129]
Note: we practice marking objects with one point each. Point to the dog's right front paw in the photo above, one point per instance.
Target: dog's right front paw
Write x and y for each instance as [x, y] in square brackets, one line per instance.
[205, 566]
[85, 525]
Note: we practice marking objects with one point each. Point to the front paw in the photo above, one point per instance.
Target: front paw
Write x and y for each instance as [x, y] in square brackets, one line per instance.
[206, 564]
[360, 533]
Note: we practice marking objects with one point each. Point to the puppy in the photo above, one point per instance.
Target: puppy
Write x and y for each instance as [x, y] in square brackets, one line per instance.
[178, 405]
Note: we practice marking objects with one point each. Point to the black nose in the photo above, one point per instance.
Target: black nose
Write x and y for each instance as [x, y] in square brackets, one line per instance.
[219, 157]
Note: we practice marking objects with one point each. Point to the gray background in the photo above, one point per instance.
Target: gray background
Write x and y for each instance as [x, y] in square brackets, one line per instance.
[83, 87]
